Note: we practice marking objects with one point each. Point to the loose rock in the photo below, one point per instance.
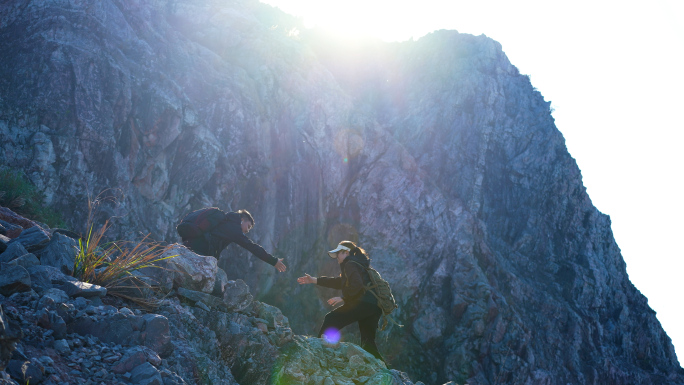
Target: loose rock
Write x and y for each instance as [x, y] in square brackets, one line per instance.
[32, 239]
[13, 279]
[60, 253]
[14, 250]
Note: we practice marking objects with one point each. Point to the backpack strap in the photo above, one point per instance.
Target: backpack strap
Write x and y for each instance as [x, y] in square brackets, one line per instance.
[389, 317]
[371, 285]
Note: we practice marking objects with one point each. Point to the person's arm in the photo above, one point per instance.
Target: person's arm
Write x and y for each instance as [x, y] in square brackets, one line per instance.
[333, 283]
[355, 286]
[330, 282]
[255, 249]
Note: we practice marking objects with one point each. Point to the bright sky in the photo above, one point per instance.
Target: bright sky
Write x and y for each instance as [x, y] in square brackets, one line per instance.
[613, 71]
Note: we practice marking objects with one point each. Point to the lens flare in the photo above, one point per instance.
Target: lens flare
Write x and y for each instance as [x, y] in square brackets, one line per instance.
[348, 143]
[332, 335]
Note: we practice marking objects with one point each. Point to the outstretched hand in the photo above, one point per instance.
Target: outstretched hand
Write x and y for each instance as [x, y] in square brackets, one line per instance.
[280, 266]
[334, 301]
[306, 279]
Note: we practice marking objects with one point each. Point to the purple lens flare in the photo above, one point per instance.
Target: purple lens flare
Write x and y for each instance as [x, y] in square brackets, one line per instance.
[332, 335]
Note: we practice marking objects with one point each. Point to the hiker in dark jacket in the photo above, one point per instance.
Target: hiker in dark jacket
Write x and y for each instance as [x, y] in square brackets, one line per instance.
[358, 304]
[232, 230]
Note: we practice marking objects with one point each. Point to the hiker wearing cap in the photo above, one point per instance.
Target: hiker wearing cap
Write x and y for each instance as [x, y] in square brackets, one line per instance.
[208, 231]
[358, 304]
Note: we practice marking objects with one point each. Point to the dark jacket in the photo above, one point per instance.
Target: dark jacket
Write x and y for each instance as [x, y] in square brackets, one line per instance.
[223, 235]
[352, 281]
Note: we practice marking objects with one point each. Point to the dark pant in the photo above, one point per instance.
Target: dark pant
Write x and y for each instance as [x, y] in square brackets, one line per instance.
[207, 246]
[366, 314]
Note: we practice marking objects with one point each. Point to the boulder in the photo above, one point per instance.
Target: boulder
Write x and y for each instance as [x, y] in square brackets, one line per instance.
[14, 250]
[18, 354]
[29, 372]
[307, 357]
[81, 303]
[236, 295]
[25, 261]
[272, 321]
[150, 330]
[171, 378]
[34, 238]
[83, 289]
[198, 296]
[61, 346]
[43, 278]
[13, 222]
[11, 229]
[60, 253]
[156, 334]
[221, 282]
[135, 357]
[9, 336]
[146, 374]
[13, 279]
[116, 328]
[186, 269]
[50, 320]
[53, 274]
[271, 314]
[40, 282]
[51, 298]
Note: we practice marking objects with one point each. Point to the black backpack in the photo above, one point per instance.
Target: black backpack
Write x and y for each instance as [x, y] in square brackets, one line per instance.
[199, 222]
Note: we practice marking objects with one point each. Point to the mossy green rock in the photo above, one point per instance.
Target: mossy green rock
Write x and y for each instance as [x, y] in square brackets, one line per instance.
[312, 361]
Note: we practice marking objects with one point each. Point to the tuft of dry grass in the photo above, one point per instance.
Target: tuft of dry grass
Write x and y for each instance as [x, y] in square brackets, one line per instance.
[113, 265]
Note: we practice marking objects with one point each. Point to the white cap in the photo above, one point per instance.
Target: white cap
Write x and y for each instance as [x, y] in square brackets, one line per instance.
[340, 247]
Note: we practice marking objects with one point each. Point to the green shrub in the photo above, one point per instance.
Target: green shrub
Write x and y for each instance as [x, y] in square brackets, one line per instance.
[22, 197]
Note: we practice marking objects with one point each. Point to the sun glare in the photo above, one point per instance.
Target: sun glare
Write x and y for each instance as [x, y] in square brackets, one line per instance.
[391, 21]
[353, 19]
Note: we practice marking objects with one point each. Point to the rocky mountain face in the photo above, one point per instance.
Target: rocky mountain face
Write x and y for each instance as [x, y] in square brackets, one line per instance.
[437, 156]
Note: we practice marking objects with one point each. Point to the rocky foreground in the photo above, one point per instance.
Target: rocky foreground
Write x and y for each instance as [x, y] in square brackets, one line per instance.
[55, 329]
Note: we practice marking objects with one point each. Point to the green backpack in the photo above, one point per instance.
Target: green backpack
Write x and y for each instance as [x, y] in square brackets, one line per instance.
[381, 290]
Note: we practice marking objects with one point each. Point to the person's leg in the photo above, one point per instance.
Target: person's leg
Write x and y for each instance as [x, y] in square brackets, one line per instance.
[200, 246]
[338, 318]
[368, 326]
[214, 245]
